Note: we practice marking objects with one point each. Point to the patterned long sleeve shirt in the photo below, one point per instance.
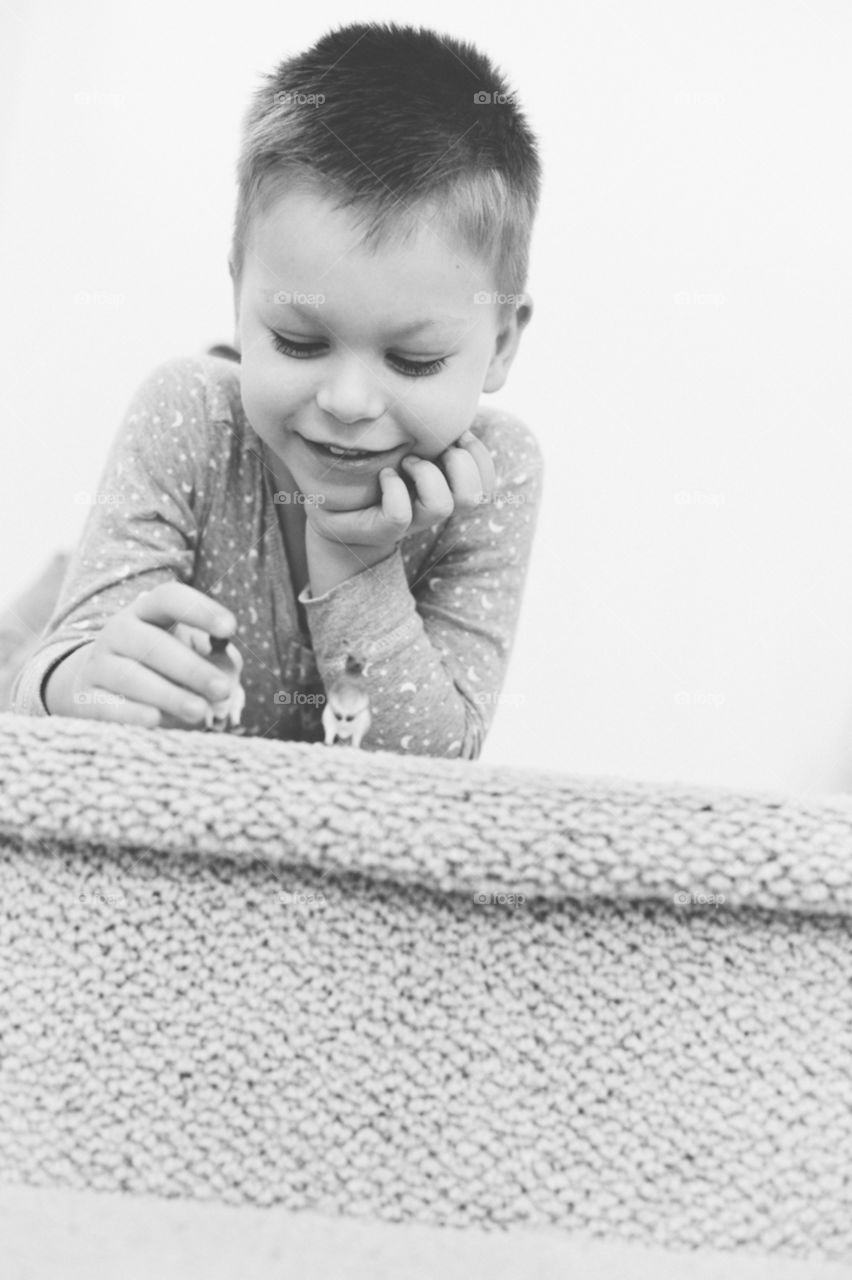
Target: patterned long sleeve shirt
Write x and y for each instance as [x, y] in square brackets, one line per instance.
[186, 495]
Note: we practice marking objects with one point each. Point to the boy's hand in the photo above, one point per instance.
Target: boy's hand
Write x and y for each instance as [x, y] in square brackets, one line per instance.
[136, 672]
[459, 479]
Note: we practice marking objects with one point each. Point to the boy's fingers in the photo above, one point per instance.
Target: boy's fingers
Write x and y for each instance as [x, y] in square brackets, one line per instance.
[369, 526]
[193, 637]
[396, 503]
[95, 703]
[173, 602]
[129, 679]
[462, 471]
[483, 459]
[433, 493]
[162, 653]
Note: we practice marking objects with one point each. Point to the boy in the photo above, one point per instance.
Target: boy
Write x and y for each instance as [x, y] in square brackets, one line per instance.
[337, 493]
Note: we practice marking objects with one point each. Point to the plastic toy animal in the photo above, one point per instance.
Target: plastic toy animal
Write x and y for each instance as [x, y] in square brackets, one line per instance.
[346, 715]
[224, 716]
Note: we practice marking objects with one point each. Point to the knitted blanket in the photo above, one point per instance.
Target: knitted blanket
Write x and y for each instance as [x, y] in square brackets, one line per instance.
[424, 991]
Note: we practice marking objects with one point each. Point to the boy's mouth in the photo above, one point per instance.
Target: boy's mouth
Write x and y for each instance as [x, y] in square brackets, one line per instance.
[338, 452]
[349, 457]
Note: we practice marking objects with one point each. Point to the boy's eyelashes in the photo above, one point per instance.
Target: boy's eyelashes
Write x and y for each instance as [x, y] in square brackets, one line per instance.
[303, 350]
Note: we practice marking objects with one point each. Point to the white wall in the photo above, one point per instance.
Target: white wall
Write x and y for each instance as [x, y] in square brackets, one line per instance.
[688, 614]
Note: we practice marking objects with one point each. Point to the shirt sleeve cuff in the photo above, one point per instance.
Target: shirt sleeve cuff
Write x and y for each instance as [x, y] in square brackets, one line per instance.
[371, 615]
[26, 696]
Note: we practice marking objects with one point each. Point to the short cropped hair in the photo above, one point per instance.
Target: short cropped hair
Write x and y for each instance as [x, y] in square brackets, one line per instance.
[394, 123]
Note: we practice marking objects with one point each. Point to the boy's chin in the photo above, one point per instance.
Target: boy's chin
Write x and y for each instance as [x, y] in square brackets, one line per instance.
[347, 494]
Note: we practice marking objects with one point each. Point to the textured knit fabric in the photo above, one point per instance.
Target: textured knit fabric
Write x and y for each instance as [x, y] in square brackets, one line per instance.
[187, 493]
[424, 990]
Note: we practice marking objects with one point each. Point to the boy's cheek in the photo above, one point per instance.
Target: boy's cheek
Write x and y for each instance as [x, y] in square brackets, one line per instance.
[450, 417]
[254, 406]
[265, 410]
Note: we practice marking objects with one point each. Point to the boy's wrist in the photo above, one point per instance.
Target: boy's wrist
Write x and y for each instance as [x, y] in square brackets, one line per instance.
[331, 562]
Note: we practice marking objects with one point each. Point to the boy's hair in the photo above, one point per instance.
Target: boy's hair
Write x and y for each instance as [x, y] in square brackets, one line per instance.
[384, 119]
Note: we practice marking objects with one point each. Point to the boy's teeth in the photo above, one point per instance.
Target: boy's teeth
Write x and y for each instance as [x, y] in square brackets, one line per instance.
[343, 453]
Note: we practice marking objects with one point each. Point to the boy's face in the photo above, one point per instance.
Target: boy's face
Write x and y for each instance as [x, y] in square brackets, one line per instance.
[355, 385]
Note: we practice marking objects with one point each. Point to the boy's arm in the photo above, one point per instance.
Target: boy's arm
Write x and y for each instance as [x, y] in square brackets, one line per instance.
[141, 529]
[438, 648]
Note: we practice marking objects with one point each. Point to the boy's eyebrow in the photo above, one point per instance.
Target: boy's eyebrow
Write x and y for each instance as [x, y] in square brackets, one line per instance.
[448, 322]
[439, 322]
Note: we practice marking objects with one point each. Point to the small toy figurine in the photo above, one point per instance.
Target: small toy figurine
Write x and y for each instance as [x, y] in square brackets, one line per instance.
[225, 715]
[346, 715]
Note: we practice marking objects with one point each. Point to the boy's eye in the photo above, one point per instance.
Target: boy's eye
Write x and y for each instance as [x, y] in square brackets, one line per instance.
[303, 351]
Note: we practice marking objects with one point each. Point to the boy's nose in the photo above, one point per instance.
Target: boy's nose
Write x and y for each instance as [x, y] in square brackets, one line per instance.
[351, 394]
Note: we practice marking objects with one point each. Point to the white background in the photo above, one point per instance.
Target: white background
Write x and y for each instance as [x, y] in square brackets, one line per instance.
[688, 613]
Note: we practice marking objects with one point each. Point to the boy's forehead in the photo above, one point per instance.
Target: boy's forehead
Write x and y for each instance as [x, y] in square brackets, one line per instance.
[299, 234]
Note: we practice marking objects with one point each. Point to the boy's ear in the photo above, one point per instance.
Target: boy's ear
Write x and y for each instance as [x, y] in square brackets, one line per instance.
[507, 342]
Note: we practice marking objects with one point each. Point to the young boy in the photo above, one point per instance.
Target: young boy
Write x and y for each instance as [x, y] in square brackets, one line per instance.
[337, 492]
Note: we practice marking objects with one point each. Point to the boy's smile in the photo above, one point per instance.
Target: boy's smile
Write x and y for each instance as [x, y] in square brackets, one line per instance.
[384, 352]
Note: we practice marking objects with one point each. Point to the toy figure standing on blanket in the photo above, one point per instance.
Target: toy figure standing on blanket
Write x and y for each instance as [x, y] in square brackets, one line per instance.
[346, 715]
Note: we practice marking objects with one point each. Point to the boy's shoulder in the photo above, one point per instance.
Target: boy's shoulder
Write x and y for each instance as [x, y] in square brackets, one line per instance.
[213, 382]
[217, 376]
